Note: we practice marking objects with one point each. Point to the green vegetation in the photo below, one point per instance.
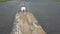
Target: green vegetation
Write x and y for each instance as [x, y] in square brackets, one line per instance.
[57, 0]
[3, 0]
